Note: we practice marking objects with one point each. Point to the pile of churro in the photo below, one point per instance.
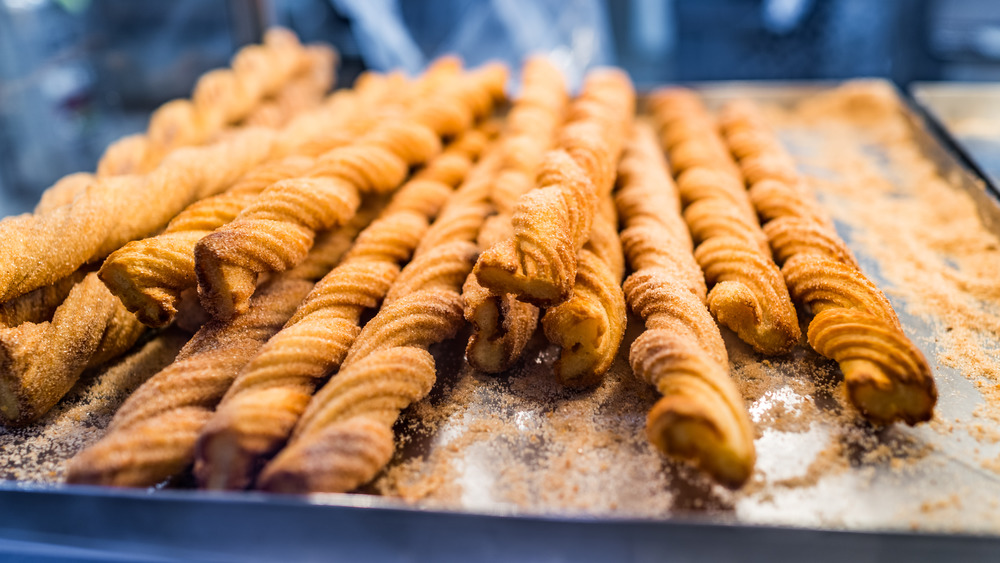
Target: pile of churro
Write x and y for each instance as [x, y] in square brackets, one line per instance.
[316, 245]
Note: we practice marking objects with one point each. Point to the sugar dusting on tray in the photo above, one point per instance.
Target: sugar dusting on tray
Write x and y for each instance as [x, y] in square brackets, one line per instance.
[521, 443]
[39, 452]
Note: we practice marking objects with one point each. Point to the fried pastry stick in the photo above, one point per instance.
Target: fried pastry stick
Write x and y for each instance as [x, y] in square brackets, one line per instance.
[702, 416]
[275, 232]
[502, 324]
[887, 377]
[221, 97]
[149, 275]
[747, 293]
[589, 326]
[552, 223]
[41, 360]
[301, 93]
[345, 437]
[44, 248]
[257, 414]
[153, 434]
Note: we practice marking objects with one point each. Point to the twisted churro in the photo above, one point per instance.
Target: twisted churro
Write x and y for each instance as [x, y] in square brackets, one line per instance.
[221, 97]
[269, 395]
[345, 435]
[41, 360]
[887, 377]
[276, 231]
[502, 324]
[746, 291]
[152, 436]
[589, 326]
[701, 416]
[552, 223]
[149, 275]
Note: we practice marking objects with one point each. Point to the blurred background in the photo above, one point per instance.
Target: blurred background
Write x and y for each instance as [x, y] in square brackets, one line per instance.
[77, 74]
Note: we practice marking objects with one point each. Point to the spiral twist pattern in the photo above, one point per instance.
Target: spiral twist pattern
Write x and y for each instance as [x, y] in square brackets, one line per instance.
[153, 434]
[503, 324]
[701, 416]
[887, 377]
[552, 223]
[41, 361]
[746, 290]
[589, 326]
[273, 233]
[257, 415]
[279, 68]
[345, 434]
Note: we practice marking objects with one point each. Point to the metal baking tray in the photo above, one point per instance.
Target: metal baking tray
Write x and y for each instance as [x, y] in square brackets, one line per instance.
[515, 482]
[968, 113]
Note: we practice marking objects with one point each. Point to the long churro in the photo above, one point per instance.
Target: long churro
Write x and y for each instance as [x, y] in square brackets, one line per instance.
[116, 209]
[502, 324]
[887, 377]
[701, 416]
[149, 275]
[269, 395]
[345, 435]
[276, 231]
[746, 291]
[552, 223]
[152, 436]
[220, 98]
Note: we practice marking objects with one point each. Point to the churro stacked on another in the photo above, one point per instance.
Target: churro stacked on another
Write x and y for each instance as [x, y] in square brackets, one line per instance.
[553, 222]
[276, 231]
[149, 275]
[887, 377]
[701, 416]
[269, 395]
[541, 262]
[502, 324]
[345, 436]
[746, 291]
[66, 320]
[152, 436]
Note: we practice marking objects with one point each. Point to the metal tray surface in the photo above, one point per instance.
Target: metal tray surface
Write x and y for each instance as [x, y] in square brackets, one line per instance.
[970, 113]
[508, 474]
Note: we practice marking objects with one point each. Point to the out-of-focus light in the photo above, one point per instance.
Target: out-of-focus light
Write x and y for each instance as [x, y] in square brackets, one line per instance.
[23, 5]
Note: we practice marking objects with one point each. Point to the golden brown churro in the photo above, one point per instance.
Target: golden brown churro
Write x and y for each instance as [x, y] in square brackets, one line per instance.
[152, 436]
[113, 210]
[269, 395]
[552, 223]
[276, 231]
[589, 325]
[747, 293]
[149, 275]
[221, 97]
[345, 435]
[887, 377]
[40, 361]
[701, 416]
[503, 324]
